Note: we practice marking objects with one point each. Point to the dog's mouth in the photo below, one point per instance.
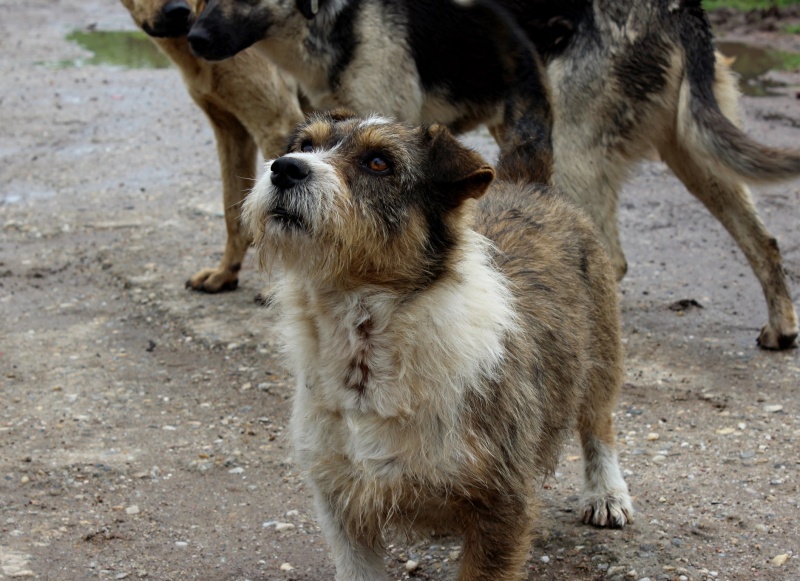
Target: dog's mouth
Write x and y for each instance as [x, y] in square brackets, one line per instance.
[287, 219]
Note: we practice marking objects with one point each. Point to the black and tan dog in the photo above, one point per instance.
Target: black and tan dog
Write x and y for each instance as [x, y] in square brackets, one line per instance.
[626, 77]
[445, 342]
[250, 106]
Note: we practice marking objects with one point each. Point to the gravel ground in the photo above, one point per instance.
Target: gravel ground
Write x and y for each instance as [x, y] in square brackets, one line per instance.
[142, 425]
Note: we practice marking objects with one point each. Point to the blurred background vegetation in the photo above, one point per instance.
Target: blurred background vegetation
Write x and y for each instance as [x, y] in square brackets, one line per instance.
[746, 4]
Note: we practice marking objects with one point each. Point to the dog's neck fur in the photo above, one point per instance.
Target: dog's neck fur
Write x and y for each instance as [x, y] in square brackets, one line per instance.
[307, 55]
[374, 351]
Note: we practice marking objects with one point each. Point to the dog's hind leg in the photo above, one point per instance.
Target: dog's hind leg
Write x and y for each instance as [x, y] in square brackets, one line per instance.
[355, 559]
[606, 502]
[593, 183]
[729, 201]
[237, 157]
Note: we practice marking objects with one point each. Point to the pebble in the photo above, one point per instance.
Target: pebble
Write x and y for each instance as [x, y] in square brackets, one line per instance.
[133, 509]
[544, 559]
[779, 560]
[181, 544]
[237, 470]
[454, 555]
[283, 526]
[615, 570]
[293, 513]
[411, 565]
[652, 436]
[287, 567]
[659, 459]
[773, 408]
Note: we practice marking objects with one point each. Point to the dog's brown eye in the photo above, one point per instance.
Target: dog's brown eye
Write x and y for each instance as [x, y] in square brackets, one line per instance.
[307, 146]
[377, 164]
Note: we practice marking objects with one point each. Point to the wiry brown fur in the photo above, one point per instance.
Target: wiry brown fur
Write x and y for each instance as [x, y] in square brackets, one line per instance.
[444, 345]
[250, 105]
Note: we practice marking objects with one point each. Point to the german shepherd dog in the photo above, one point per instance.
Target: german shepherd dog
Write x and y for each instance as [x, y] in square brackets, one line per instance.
[444, 341]
[250, 105]
[625, 76]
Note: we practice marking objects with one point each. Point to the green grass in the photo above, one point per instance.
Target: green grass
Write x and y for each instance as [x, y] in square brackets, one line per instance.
[792, 29]
[746, 4]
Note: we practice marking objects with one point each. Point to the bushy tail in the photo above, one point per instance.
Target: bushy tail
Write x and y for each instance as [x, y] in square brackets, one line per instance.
[702, 122]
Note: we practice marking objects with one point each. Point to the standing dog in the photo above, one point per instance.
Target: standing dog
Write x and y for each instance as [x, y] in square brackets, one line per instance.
[249, 104]
[626, 77]
[443, 346]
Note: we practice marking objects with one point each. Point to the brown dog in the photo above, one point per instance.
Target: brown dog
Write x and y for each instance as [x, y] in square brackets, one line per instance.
[443, 346]
[250, 106]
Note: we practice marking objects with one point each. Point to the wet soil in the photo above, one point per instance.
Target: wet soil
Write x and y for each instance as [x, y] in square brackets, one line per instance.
[142, 426]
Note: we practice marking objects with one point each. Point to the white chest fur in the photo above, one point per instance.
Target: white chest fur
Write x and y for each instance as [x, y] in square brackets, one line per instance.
[382, 379]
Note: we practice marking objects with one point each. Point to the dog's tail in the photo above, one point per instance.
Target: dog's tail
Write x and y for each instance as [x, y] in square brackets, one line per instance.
[526, 145]
[702, 123]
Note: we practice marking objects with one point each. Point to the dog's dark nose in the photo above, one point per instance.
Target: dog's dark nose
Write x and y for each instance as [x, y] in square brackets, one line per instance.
[176, 12]
[287, 172]
[199, 40]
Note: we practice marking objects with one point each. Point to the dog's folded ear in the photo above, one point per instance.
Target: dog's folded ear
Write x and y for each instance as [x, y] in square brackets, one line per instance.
[308, 8]
[460, 172]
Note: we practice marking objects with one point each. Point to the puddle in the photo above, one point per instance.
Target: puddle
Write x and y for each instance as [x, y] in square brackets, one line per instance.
[752, 62]
[130, 49]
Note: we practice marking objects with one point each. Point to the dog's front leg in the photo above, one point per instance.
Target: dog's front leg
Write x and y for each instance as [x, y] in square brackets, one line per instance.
[237, 158]
[497, 537]
[355, 559]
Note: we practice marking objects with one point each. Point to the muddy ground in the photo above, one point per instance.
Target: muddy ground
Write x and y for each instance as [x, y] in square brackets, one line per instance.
[142, 426]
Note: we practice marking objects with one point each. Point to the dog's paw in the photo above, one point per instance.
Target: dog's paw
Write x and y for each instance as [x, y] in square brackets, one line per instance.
[613, 510]
[776, 340]
[213, 280]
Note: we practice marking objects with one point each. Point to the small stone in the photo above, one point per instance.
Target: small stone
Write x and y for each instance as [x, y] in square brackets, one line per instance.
[237, 470]
[774, 408]
[22, 573]
[779, 560]
[293, 513]
[120, 575]
[181, 544]
[283, 526]
[454, 555]
[287, 567]
[544, 559]
[131, 510]
[762, 528]
[24, 480]
[411, 566]
[247, 386]
[725, 431]
[631, 574]
[652, 436]
[659, 459]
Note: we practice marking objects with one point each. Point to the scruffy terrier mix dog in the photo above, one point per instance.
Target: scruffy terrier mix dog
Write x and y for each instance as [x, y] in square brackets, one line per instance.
[444, 346]
[249, 104]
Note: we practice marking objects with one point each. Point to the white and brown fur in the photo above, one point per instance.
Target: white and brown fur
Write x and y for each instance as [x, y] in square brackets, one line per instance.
[250, 105]
[445, 342]
[625, 76]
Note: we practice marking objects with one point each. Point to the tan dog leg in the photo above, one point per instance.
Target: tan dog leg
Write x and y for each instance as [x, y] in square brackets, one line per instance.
[729, 201]
[237, 157]
[497, 538]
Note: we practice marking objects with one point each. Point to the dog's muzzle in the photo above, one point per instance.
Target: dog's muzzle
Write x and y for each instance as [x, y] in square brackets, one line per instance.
[287, 172]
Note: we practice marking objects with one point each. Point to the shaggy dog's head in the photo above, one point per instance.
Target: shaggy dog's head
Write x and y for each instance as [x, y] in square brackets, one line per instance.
[360, 201]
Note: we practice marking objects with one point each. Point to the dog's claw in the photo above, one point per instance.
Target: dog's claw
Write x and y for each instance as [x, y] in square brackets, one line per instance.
[614, 511]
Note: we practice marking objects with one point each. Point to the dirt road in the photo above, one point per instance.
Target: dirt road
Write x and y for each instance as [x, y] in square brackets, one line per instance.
[142, 425]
